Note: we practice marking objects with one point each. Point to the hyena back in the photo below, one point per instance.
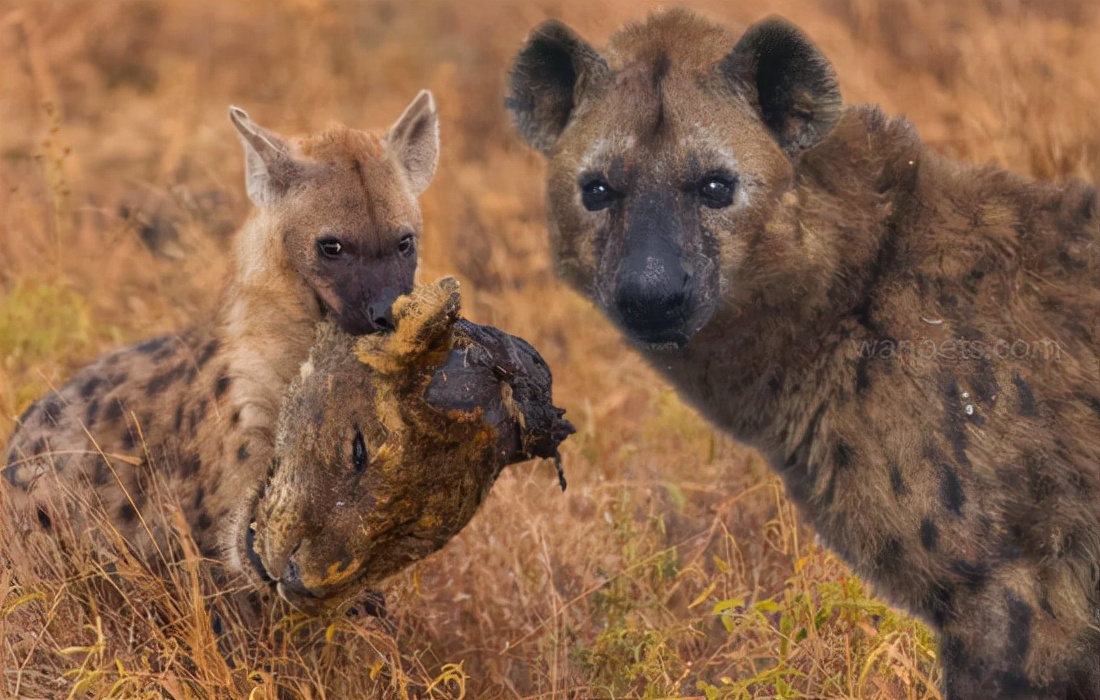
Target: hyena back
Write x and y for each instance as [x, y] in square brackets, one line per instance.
[334, 235]
[913, 344]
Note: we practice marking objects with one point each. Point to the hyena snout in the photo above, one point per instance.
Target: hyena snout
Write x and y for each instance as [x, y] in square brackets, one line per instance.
[372, 314]
[654, 297]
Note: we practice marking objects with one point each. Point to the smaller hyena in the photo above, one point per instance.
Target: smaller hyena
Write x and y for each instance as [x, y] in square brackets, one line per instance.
[387, 444]
[334, 235]
[913, 344]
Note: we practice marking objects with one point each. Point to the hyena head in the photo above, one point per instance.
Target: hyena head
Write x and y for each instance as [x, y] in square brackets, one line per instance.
[340, 211]
[668, 157]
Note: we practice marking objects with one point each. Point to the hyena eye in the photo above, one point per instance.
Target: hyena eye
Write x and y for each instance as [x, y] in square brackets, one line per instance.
[330, 247]
[406, 245]
[597, 194]
[717, 192]
[358, 453]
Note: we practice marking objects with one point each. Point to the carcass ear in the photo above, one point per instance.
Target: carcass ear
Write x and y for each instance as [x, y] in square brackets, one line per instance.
[788, 80]
[548, 80]
[269, 169]
[414, 139]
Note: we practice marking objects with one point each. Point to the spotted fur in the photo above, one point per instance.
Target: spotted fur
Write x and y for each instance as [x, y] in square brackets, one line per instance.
[912, 343]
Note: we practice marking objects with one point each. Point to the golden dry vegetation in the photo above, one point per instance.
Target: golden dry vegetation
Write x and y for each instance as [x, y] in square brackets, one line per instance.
[672, 566]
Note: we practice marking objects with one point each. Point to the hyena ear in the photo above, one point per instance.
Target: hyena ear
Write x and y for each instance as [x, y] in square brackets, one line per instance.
[788, 80]
[414, 139]
[548, 80]
[269, 169]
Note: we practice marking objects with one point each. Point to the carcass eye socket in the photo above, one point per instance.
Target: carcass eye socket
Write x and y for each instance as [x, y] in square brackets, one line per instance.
[358, 453]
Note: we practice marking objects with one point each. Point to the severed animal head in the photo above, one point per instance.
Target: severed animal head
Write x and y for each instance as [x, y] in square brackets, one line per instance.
[387, 444]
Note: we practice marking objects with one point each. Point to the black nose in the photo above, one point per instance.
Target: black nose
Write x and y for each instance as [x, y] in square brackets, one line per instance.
[381, 316]
[653, 299]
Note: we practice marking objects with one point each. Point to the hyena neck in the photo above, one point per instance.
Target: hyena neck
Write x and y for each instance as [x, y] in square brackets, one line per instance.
[772, 351]
[265, 326]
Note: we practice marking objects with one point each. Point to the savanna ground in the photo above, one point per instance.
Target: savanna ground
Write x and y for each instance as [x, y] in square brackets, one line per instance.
[673, 566]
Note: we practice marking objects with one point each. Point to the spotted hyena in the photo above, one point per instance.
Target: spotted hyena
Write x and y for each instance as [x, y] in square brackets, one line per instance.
[388, 443]
[334, 235]
[912, 343]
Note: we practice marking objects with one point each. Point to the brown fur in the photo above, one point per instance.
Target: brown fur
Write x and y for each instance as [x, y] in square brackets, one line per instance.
[194, 413]
[912, 343]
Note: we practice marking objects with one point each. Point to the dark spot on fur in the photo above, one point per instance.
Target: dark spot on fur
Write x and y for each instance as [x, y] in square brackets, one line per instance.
[984, 381]
[890, 559]
[207, 352]
[91, 413]
[200, 494]
[221, 386]
[235, 419]
[89, 387]
[929, 533]
[973, 575]
[129, 438]
[204, 522]
[101, 471]
[44, 519]
[177, 422]
[940, 602]
[863, 373]
[113, 411]
[190, 465]
[242, 452]
[1092, 402]
[896, 481]
[951, 490]
[196, 416]
[161, 382]
[127, 513]
[1019, 630]
[954, 419]
[1027, 399]
[1010, 548]
[842, 454]
[40, 445]
[52, 410]
[151, 346]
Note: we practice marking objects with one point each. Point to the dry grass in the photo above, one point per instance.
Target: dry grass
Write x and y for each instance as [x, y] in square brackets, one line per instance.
[673, 566]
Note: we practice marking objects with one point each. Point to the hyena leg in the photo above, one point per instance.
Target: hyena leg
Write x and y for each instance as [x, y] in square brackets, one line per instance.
[1006, 641]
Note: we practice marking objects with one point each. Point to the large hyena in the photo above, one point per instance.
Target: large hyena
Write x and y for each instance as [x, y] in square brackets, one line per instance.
[910, 342]
[334, 235]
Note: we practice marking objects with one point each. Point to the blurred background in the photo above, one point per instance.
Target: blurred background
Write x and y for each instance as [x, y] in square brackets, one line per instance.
[673, 566]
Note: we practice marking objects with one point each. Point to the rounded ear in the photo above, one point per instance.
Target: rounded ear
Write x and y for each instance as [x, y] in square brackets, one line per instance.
[548, 78]
[414, 139]
[788, 80]
[269, 169]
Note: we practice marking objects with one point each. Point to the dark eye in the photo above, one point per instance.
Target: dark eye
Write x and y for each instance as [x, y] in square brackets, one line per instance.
[358, 453]
[597, 194]
[406, 245]
[330, 247]
[717, 192]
